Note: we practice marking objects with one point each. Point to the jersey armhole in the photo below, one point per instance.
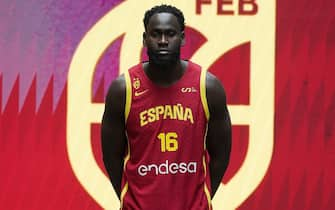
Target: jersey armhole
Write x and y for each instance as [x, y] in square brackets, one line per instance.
[126, 114]
[203, 93]
[128, 95]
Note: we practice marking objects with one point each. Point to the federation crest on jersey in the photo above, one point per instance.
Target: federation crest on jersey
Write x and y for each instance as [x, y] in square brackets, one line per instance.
[136, 83]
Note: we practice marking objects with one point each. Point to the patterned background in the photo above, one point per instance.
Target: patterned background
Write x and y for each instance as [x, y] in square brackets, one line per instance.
[37, 42]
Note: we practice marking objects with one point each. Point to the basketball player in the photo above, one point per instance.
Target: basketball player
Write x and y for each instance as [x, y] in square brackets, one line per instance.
[166, 131]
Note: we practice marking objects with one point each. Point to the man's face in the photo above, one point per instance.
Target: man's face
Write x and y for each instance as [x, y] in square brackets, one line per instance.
[163, 39]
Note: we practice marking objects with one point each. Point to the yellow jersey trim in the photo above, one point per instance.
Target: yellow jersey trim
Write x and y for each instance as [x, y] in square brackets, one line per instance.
[203, 93]
[123, 193]
[125, 187]
[127, 156]
[207, 193]
[126, 114]
[128, 95]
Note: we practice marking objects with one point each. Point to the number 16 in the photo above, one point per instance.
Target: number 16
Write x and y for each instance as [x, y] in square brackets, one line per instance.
[168, 141]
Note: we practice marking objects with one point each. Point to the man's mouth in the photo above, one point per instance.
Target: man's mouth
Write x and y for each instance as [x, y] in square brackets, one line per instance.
[163, 52]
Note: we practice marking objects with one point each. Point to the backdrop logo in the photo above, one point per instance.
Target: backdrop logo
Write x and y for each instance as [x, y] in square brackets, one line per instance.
[241, 21]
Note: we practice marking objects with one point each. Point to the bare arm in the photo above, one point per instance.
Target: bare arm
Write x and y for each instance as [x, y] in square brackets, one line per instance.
[113, 138]
[218, 140]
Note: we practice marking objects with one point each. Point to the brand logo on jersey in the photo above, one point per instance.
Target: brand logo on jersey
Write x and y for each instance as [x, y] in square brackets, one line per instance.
[167, 168]
[138, 93]
[188, 90]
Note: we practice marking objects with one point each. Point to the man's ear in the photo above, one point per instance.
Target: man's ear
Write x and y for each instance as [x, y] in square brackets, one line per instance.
[144, 38]
[182, 38]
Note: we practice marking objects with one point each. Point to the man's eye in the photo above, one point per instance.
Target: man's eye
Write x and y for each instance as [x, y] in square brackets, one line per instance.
[154, 34]
[171, 33]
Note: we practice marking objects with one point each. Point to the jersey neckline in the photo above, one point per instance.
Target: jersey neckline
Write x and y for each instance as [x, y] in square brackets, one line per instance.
[175, 84]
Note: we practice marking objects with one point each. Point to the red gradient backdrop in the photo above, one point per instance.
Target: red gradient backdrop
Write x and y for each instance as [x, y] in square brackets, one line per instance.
[37, 42]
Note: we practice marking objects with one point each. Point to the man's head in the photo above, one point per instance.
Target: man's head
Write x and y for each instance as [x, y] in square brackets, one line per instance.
[164, 9]
[164, 34]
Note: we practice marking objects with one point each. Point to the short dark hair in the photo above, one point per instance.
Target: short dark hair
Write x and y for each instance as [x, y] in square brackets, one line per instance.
[164, 8]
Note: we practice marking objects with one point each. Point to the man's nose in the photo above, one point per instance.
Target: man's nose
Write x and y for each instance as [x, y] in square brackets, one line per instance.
[163, 39]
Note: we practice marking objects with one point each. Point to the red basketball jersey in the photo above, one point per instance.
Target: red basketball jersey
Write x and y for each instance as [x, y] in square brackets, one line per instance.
[166, 166]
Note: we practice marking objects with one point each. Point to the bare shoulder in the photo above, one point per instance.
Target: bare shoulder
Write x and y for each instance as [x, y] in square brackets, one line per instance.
[118, 84]
[212, 81]
[117, 88]
[214, 89]
[116, 96]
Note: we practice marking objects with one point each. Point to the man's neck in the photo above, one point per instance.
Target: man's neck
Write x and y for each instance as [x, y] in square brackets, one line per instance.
[165, 75]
